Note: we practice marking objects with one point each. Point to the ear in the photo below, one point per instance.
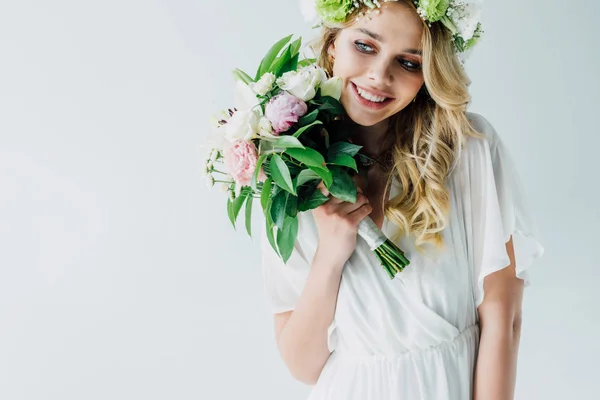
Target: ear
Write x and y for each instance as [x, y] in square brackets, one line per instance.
[331, 50]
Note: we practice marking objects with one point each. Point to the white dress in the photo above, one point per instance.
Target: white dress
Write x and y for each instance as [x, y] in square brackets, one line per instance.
[416, 337]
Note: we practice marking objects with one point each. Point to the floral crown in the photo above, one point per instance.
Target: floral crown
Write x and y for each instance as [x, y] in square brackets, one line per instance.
[461, 17]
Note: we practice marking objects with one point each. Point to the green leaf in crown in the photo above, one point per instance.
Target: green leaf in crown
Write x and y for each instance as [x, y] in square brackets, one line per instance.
[334, 10]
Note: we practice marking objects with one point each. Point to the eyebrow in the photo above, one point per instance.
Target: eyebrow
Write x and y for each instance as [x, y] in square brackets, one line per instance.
[379, 38]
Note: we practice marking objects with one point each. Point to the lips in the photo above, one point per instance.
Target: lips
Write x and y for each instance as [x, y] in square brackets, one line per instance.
[368, 103]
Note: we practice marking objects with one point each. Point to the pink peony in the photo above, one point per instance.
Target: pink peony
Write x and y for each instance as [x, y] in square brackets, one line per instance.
[240, 160]
[284, 110]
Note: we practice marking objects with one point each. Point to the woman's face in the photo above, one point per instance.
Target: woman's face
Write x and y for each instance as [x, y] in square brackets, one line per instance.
[379, 62]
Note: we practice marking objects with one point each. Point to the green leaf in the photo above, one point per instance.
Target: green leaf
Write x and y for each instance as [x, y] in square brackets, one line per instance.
[306, 175]
[331, 105]
[290, 65]
[343, 187]
[280, 62]
[344, 160]
[286, 237]
[230, 212]
[308, 118]
[306, 62]
[238, 74]
[338, 148]
[324, 174]
[308, 156]
[287, 142]
[259, 164]
[295, 46]
[269, 227]
[267, 61]
[283, 205]
[305, 128]
[291, 207]
[314, 201]
[277, 210]
[233, 208]
[249, 200]
[265, 194]
[281, 174]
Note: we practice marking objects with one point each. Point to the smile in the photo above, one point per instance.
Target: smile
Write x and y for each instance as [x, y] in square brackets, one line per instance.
[368, 99]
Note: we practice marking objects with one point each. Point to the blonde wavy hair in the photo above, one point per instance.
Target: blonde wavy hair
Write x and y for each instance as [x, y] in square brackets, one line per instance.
[426, 137]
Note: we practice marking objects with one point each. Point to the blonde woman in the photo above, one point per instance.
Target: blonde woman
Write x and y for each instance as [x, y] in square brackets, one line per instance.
[445, 188]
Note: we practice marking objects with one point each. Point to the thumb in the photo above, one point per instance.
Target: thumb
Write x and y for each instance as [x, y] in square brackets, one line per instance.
[323, 189]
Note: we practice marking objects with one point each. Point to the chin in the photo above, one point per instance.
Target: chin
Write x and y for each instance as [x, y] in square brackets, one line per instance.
[365, 120]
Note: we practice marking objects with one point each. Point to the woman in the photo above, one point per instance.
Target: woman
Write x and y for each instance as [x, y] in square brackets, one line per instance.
[445, 188]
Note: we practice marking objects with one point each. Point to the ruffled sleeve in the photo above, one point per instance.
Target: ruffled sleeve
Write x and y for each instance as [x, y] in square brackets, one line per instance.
[284, 282]
[499, 210]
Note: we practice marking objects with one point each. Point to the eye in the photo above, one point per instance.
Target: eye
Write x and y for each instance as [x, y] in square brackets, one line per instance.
[409, 65]
[406, 64]
[362, 47]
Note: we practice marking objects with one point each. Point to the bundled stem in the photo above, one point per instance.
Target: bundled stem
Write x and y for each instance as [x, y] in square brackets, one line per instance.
[391, 258]
[389, 255]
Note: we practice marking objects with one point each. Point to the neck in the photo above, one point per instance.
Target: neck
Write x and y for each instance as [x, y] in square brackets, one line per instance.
[371, 137]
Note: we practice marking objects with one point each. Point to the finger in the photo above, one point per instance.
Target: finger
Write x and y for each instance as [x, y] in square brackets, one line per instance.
[334, 200]
[348, 208]
[321, 186]
[360, 213]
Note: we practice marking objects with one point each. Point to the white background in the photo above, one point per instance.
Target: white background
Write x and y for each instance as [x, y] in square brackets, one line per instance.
[120, 275]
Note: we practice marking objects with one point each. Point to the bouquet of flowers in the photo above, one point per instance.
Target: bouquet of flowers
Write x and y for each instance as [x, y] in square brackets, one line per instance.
[282, 139]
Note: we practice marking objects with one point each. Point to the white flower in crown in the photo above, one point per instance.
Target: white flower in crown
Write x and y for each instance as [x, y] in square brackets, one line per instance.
[461, 17]
[466, 16]
[308, 9]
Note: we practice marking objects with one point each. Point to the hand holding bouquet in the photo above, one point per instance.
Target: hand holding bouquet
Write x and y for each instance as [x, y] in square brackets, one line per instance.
[283, 138]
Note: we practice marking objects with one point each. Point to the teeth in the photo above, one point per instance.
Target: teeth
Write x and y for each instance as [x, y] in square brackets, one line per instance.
[366, 95]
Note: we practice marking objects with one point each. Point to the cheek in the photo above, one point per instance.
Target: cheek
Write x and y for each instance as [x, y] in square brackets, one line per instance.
[347, 63]
[409, 84]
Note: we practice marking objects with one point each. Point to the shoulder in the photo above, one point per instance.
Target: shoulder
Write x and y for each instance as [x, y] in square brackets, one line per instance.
[482, 153]
[487, 146]
[483, 126]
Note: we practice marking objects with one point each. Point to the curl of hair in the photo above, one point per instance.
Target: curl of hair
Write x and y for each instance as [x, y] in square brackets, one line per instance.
[426, 137]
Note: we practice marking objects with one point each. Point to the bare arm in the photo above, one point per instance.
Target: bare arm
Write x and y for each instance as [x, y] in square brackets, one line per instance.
[302, 334]
[500, 318]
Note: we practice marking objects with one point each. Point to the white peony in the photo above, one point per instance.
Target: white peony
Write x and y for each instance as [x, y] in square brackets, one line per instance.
[264, 84]
[303, 83]
[243, 125]
[265, 128]
[332, 87]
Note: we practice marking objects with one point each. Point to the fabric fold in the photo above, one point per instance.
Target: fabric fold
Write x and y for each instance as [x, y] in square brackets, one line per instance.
[499, 211]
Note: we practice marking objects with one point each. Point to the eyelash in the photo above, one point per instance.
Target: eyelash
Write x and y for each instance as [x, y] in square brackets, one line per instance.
[416, 66]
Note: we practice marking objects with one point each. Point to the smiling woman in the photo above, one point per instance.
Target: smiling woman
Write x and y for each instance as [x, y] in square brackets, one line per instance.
[380, 65]
[444, 189]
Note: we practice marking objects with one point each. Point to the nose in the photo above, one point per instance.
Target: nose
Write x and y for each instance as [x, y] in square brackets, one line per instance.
[380, 72]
